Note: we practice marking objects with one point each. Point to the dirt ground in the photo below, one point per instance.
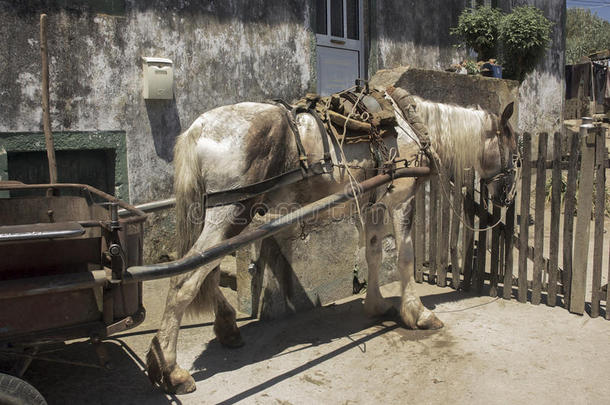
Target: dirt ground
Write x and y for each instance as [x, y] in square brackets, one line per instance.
[490, 351]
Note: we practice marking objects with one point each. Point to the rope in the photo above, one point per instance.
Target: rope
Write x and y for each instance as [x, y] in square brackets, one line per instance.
[352, 179]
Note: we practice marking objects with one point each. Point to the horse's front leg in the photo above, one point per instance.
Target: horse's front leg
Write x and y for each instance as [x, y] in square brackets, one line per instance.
[374, 218]
[412, 311]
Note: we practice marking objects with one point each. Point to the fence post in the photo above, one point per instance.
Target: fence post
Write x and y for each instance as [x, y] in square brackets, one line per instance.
[525, 212]
[583, 219]
[600, 197]
[539, 224]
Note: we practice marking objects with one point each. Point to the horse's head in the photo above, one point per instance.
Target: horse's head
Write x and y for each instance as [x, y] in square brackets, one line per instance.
[498, 163]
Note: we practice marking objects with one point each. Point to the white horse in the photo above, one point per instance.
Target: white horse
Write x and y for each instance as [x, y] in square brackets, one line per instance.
[238, 145]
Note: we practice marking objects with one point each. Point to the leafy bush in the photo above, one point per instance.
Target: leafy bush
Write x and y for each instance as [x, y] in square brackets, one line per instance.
[525, 36]
[585, 33]
[522, 36]
[478, 29]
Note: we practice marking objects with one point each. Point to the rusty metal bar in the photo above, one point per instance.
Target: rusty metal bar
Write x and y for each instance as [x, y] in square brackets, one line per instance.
[186, 264]
[152, 206]
[26, 287]
[11, 185]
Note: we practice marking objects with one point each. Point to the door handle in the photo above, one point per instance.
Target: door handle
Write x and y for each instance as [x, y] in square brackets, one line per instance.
[337, 41]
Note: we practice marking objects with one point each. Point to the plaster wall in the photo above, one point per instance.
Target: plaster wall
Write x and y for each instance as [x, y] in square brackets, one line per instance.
[223, 52]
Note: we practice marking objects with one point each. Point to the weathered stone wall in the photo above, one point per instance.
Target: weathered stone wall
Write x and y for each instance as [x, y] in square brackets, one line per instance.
[223, 52]
[541, 95]
[414, 33]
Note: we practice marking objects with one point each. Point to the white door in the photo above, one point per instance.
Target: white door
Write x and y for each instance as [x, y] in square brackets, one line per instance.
[339, 44]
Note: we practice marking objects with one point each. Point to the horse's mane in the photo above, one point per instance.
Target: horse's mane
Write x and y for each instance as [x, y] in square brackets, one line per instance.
[456, 133]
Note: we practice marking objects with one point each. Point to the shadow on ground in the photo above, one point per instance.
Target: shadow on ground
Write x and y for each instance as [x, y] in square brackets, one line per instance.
[126, 382]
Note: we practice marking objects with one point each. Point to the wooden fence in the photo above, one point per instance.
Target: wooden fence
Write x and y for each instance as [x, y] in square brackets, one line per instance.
[556, 269]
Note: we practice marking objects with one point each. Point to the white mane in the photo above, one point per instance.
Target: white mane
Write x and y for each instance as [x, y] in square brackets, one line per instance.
[457, 134]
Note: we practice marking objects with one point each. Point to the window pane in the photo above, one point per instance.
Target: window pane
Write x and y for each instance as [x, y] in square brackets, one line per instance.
[352, 19]
[336, 18]
[321, 17]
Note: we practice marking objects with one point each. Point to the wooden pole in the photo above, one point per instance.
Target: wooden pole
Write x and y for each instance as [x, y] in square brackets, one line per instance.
[46, 119]
[583, 220]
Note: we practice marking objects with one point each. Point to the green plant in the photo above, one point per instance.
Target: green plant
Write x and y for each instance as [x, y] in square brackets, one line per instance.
[585, 33]
[478, 29]
[471, 67]
[525, 37]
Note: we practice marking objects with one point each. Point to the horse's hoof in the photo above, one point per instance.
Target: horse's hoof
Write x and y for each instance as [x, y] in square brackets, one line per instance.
[180, 382]
[232, 341]
[429, 321]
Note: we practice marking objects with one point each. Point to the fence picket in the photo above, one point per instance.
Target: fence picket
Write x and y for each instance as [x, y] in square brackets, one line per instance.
[420, 232]
[444, 229]
[434, 218]
[455, 234]
[525, 211]
[600, 196]
[555, 216]
[468, 233]
[509, 230]
[568, 222]
[482, 240]
[583, 222]
[495, 254]
[539, 215]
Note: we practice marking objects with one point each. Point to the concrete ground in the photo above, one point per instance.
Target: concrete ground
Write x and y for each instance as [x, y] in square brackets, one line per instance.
[490, 351]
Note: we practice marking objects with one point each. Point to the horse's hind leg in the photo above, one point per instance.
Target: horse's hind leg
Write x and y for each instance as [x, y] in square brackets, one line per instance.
[225, 325]
[412, 311]
[374, 218]
[161, 358]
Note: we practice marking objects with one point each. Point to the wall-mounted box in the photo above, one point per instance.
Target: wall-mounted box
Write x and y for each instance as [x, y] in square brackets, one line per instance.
[158, 81]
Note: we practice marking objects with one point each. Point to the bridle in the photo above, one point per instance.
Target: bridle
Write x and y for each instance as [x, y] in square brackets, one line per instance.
[507, 171]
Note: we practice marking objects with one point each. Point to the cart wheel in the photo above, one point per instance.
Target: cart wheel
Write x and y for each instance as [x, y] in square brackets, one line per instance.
[15, 391]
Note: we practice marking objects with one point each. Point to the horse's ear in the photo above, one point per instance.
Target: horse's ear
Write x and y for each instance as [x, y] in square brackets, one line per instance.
[508, 112]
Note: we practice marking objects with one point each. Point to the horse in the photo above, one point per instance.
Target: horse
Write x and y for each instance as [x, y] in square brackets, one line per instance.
[242, 144]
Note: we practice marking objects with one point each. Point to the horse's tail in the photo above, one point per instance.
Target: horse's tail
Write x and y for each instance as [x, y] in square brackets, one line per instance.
[189, 188]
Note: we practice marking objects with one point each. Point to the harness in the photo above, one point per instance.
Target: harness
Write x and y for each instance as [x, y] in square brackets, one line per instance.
[328, 117]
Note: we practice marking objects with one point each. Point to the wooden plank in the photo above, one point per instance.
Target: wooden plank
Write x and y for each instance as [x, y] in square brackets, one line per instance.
[495, 253]
[482, 239]
[598, 241]
[583, 223]
[509, 231]
[433, 234]
[468, 233]
[525, 211]
[420, 231]
[444, 230]
[555, 217]
[608, 294]
[455, 234]
[539, 215]
[568, 221]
